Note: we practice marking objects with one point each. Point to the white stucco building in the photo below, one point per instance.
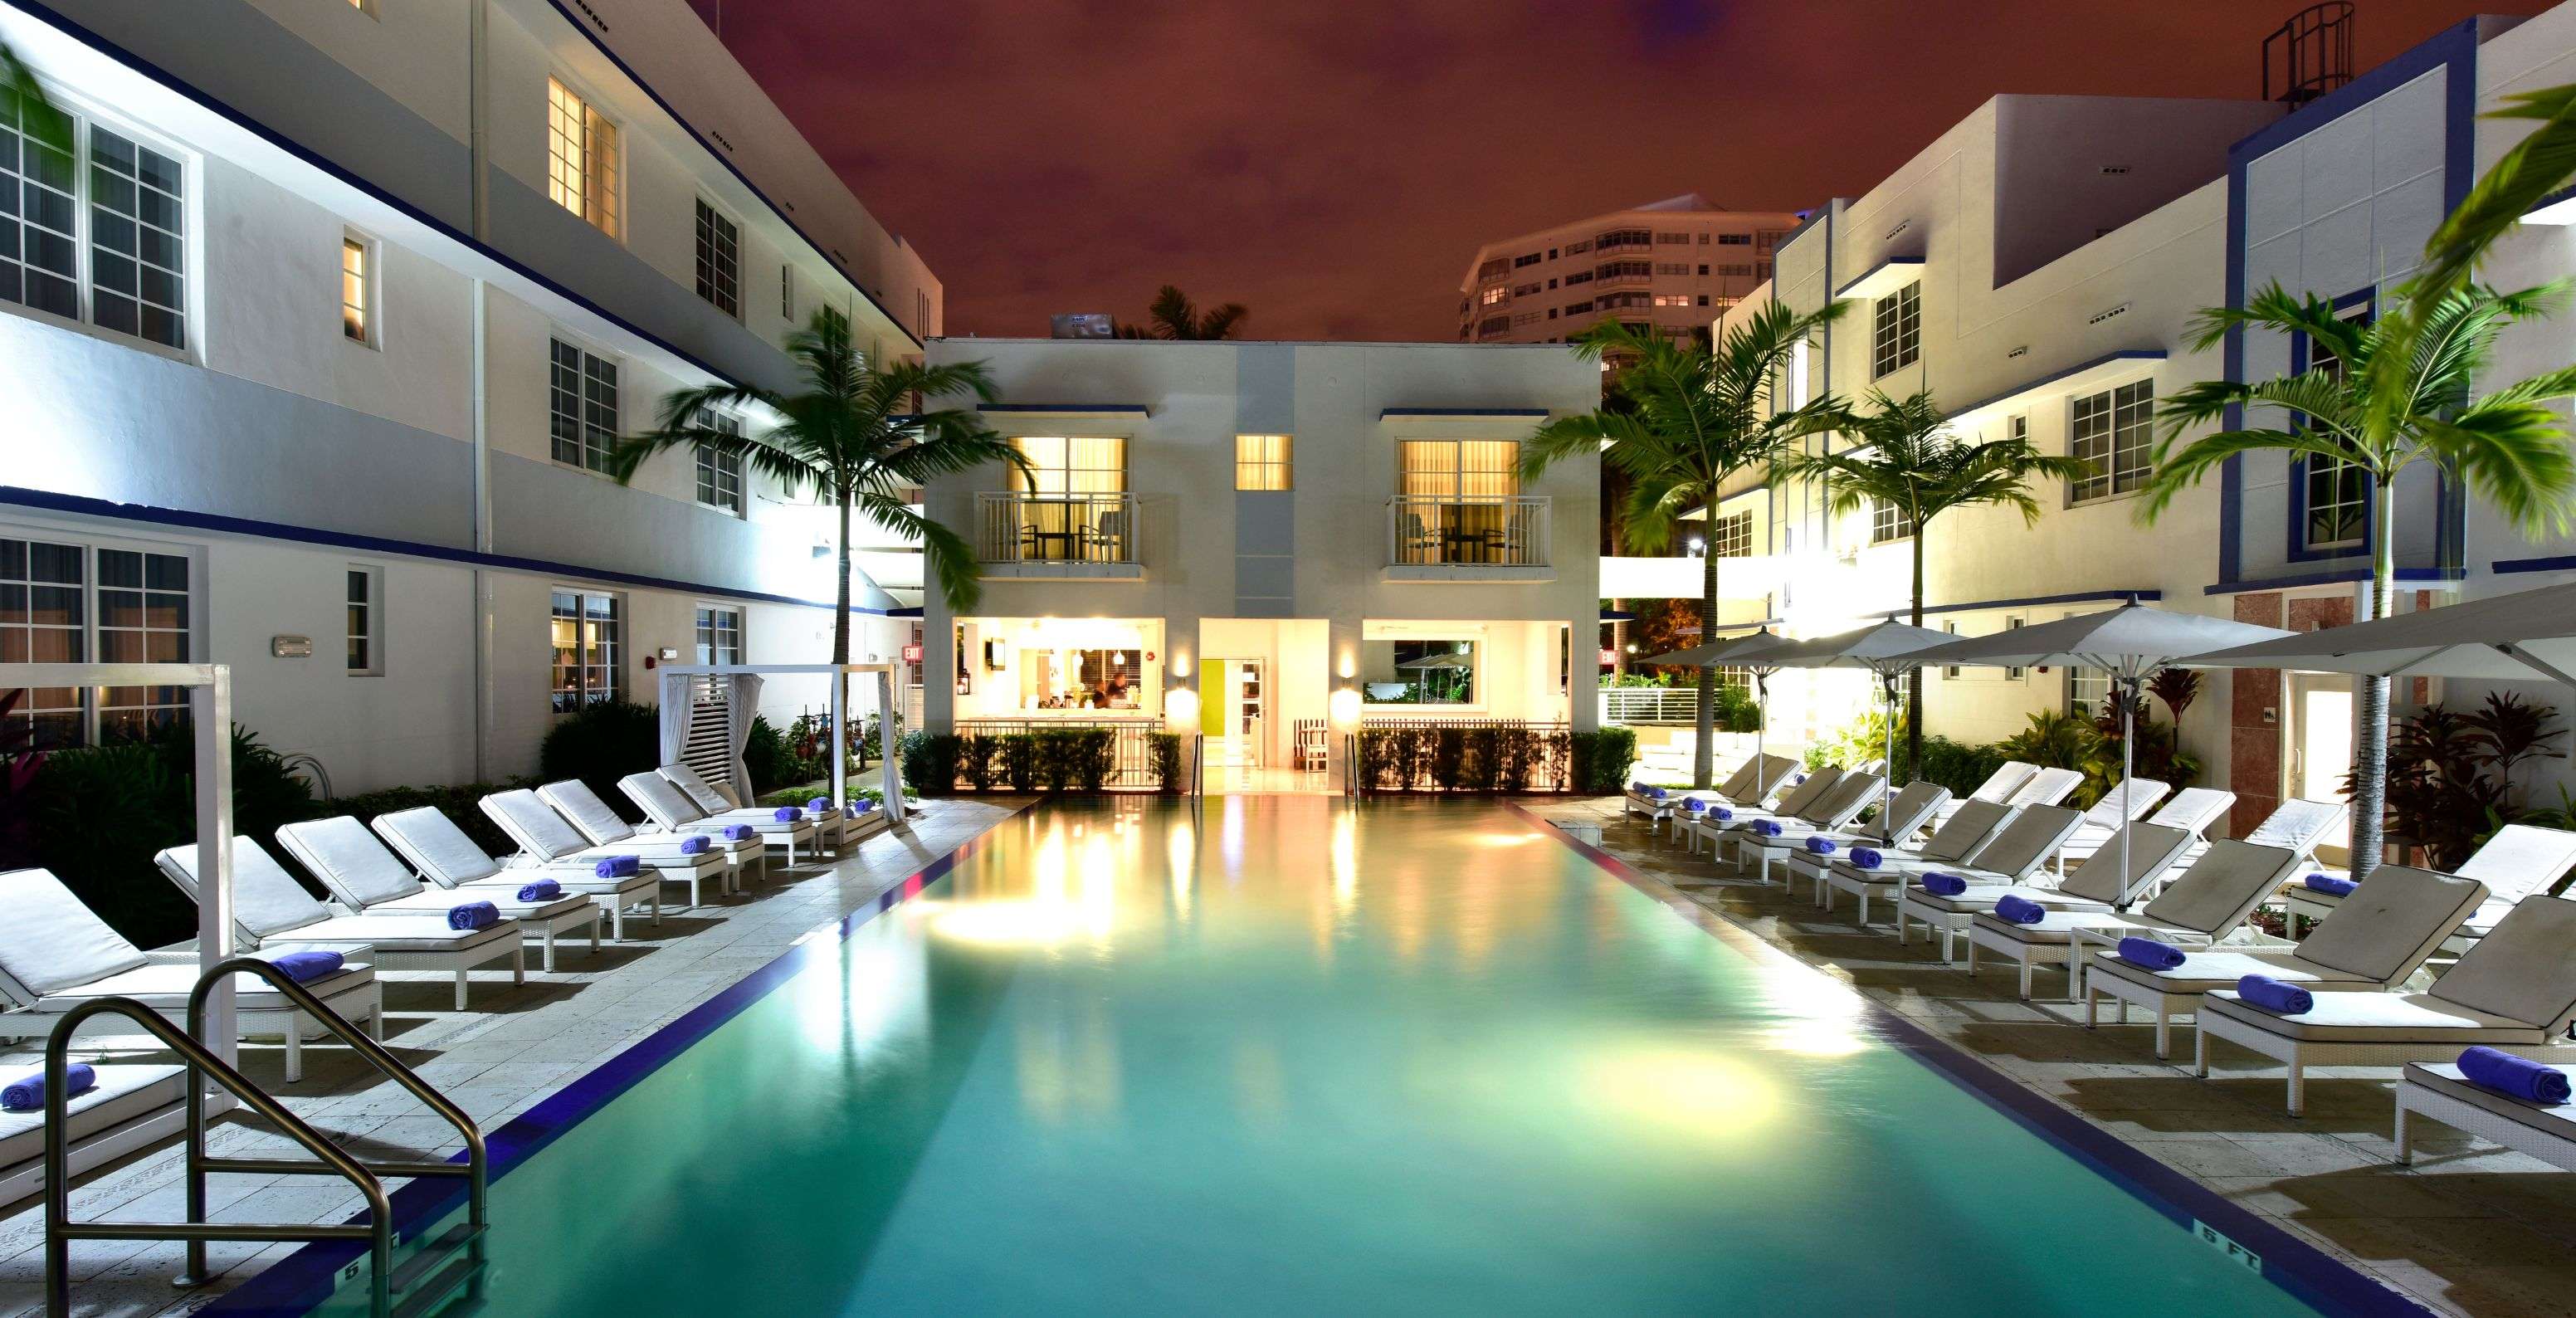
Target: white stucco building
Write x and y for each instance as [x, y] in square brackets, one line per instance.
[1265, 523]
[1673, 265]
[314, 352]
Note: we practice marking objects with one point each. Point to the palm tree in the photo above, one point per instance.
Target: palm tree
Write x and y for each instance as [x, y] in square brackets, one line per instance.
[2537, 167]
[851, 433]
[22, 94]
[2382, 398]
[1684, 419]
[1174, 316]
[1906, 457]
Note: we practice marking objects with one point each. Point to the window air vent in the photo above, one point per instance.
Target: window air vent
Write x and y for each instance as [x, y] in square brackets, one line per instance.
[1901, 227]
[2115, 169]
[591, 14]
[2100, 316]
[2022, 351]
[720, 139]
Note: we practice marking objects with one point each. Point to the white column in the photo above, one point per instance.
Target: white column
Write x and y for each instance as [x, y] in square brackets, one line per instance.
[210, 707]
[888, 776]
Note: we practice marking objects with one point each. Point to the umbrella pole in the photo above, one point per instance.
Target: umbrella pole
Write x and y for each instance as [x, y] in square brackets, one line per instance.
[1887, 781]
[2128, 752]
[1761, 738]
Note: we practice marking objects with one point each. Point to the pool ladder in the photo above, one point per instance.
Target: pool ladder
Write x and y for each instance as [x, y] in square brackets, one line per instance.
[428, 1278]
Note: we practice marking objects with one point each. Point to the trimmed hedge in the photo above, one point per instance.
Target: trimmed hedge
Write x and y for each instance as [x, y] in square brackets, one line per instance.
[1052, 760]
[1468, 758]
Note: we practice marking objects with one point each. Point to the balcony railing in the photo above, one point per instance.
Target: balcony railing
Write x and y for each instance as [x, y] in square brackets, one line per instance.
[1055, 528]
[1427, 531]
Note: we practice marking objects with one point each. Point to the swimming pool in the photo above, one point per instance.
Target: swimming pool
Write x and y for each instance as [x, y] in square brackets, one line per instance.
[1298, 1055]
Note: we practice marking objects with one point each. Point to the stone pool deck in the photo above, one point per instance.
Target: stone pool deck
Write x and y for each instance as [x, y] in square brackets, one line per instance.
[2470, 1228]
[515, 1047]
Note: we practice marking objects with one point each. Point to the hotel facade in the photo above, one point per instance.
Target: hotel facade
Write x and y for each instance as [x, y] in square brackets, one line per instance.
[1671, 265]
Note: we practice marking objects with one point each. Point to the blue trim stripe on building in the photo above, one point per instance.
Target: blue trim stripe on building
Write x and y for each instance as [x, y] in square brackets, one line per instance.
[1387, 413]
[2420, 577]
[84, 506]
[2558, 563]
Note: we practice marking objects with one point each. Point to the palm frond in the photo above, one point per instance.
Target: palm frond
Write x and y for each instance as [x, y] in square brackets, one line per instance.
[2528, 174]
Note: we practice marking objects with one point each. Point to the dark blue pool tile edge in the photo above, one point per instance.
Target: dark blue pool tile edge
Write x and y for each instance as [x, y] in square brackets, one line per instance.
[305, 1279]
[2317, 1278]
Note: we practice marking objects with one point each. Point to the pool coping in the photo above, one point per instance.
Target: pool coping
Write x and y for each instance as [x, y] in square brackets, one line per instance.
[309, 1277]
[2309, 1274]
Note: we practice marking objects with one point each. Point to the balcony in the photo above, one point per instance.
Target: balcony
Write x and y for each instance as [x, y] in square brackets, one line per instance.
[1439, 538]
[1076, 537]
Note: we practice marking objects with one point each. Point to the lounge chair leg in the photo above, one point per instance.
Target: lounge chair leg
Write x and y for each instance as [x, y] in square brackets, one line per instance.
[294, 1047]
[460, 988]
[2164, 1030]
[1972, 956]
[550, 951]
[2405, 1139]
[616, 918]
[1901, 938]
[519, 964]
[2200, 1053]
[2090, 1002]
[594, 933]
[2298, 1090]
[2027, 965]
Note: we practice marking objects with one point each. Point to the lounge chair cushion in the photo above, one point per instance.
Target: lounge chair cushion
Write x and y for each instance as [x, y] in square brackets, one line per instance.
[403, 932]
[124, 1093]
[2444, 1078]
[592, 816]
[2007, 779]
[2202, 971]
[2524, 971]
[349, 860]
[2391, 922]
[53, 941]
[266, 899]
[2107, 814]
[434, 843]
[2521, 859]
[2152, 850]
[2296, 825]
[2048, 787]
[533, 824]
[2221, 888]
[1908, 810]
[661, 799]
[1964, 831]
[166, 987]
[2193, 809]
[1982, 896]
[2028, 839]
[2057, 928]
[2381, 1018]
[704, 793]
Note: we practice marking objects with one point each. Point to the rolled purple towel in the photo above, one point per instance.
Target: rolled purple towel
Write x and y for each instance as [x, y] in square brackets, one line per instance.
[788, 814]
[473, 915]
[1720, 813]
[1867, 858]
[821, 805]
[2020, 910]
[862, 806]
[1822, 846]
[1693, 804]
[2329, 883]
[2517, 1077]
[618, 867]
[1768, 827]
[27, 1092]
[695, 844]
[2152, 954]
[740, 832]
[1943, 885]
[2277, 996]
[540, 890]
[306, 965]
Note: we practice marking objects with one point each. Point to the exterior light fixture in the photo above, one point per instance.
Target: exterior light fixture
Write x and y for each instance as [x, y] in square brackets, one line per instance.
[1344, 710]
[1181, 709]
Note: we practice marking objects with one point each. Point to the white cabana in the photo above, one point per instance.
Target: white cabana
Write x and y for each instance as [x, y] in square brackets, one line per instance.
[744, 683]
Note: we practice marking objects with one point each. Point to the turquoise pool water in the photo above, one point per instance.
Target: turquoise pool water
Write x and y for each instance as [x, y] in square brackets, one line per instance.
[1299, 1056]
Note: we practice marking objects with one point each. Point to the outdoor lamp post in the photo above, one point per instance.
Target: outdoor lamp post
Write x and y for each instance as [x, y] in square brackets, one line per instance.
[1343, 712]
[1181, 715]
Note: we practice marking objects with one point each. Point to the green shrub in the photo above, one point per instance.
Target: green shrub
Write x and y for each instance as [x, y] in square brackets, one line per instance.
[1601, 760]
[1094, 754]
[929, 762]
[1737, 711]
[1020, 761]
[1169, 777]
[771, 761]
[976, 754]
[601, 744]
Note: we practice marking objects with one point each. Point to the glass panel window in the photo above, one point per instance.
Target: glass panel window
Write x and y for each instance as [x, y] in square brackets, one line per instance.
[1950, 672]
[39, 225]
[366, 615]
[142, 619]
[1418, 672]
[581, 158]
[2088, 692]
[1261, 462]
[587, 638]
[582, 402]
[1071, 465]
[720, 473]
[719, 635]
[1460, 468]
[719, 260]
[1896, 325]
[137, 209]
[1081, 679]
[44, 620]
[1888, 522]
[357, 283]
[1731, 536]
[2114, 431]
[2338, 498]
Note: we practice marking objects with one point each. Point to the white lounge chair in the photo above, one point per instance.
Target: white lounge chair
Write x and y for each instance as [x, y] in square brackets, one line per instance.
[1958, 841]
[2514, 989]
[1831, 813]
[56, 954]
[2047, 787]
[2518, 861]
[601, 826]
[2396, 921]
[1701, 824]
[2096, 885]
[715, 806]
[367, 879]
[2436, 1090]
[2016, 852]
[2106, 816]
[673, 810]
[2209, 902]
[545, 838]
[1902, 815]
[270, 908]
[446, 856]
[1894, 831]
[1998, 787]
[1773, 773]
[133, 1107]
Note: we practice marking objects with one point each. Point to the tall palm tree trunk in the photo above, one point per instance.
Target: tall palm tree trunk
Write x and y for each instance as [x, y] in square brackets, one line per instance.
[841, 621]
[2370, 764]
[1914, 677]
[1704, 757]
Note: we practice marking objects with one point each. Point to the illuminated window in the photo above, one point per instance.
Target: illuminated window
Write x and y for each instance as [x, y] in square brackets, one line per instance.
[1492, 294]
[1731, 536]
[719, 260]
[1081, 464]
[587, 637]
[357, 291]
[720, 473]
[1261, 463]
[581, 158]
[583, 405]
[1896, 340]
[2114, 431]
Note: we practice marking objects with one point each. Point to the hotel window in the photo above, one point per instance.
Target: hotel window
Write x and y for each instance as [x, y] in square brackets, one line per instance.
[588, 639]
[1735, 240]
[1261, 462]
[1673, 239]
[142, 618]
[135, 281]
[720, 483]
[2088, 692]
[719, 260]
[1578, 277]
[1081, 464]
[1672, 268]
[1418, 672]
[1524, 290]
[581, 158]
[2336, 493]
[1950, 672]
[2014, 674]
[1672, 299]
[1731, 536]
[357, 290]
[1492, 295]
[583, 406]
[1887, 522]
[39, 224]
[719, 635]
[366, 620]
[44, 620]
[2114, 431]
[1461, 469]
[1896, 330]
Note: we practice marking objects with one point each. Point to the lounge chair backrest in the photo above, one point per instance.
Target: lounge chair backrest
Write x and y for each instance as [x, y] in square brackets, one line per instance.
[573, 799]
[436, 846]
[349, 860]
[2222, 887]
[1809, 792]
[1770, 771]
[710, 801]
[661, 800]
[2153, 848]
[1908, 810]
[2521, 859]
[533, 824]
[1741, 781]
[51, 941]
[2033, 833]
[1967, 829]
[2194, 809]
[2392, 922]
[2523, 970]
[2298, 825]
[1853, 792]
[2007, 779]
[267, 901]
[2048, 787]
[2142, 796]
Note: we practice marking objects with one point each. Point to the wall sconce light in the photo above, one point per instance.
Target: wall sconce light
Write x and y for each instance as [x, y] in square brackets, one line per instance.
[1344, 710]
[1180, 666]
[1349, 667]
[1181, 709]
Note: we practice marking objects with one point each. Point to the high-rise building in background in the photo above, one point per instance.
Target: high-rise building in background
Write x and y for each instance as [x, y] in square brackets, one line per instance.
[1673, 264]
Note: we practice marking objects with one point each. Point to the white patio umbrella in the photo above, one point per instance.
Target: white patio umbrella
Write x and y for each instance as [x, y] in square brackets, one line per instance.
[1885, 649]
[2529, 636]
[2130, 643]
[1754, 651]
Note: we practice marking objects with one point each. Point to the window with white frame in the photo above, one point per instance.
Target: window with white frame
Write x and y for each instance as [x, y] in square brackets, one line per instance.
[365, 591]
[588, 639]
[2088, 692]
[581, 158]
[720, 473]
[2114, 431]
[1951, 672]
[719, 635]
[1896, 330]
[357, 289]
[1888, 522]
[1077, 464]
[719, 260]
[2335, 493]
[107, 244]
[64, 601]
[1731, 536]
[582, 407]
[1262, 462]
